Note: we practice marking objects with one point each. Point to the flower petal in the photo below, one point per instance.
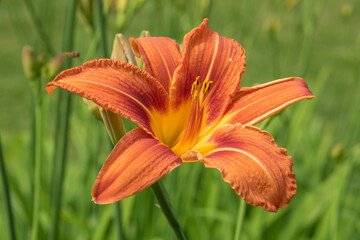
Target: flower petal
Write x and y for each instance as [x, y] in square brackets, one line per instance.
[210, 57]
[249, 159]
[161, 56]
[117, 86]
[254, 104]
[136, 162]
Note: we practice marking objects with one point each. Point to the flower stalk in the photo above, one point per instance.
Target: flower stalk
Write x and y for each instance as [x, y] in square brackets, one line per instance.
[9, 213]
[162, 196]
[31, 66]
[37, 168]
[116, 130]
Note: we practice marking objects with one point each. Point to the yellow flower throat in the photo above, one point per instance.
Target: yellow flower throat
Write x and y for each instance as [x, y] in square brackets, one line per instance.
[179, 129]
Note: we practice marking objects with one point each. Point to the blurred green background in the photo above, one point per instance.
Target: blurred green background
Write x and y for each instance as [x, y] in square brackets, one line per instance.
[316, 40]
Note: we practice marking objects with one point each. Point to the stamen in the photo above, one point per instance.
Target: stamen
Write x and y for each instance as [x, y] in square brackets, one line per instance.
[209, 86]
[194, 88]
[194, 124]
[206, 86]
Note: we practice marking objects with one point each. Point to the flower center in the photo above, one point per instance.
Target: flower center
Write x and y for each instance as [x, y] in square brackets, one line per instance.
[190, 135]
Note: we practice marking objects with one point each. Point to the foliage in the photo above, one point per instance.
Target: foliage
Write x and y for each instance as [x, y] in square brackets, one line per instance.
[316, 40]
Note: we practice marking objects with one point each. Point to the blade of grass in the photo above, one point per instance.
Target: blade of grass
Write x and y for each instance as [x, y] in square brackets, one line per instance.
[8, 205]
[240, 218]
[104, 222]
[125, 15]
[101, 27]
[15, 19]
[39, 27]
[309, 24]
[63, 107]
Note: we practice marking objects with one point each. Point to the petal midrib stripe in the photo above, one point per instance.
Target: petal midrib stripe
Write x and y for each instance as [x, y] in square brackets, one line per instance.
[144, 153]
[260, 99]
[251, 157]
[117, 90]
[166, 65]
[214, 56]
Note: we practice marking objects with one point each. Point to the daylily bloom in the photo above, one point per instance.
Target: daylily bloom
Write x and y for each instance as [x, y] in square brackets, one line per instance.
[189, 107]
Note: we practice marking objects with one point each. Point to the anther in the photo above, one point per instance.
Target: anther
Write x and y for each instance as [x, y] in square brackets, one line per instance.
[206, 86]
[195, 87]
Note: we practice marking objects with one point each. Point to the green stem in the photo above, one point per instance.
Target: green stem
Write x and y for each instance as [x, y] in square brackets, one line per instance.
[8, 205]
[240, 218]
[37, 167]
[63, 107]
[162, 196]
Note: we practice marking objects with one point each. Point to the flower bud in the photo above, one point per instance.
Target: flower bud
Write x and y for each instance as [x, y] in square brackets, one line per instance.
[41, 58]
[30, 63]
[145, 33]
[122, 50]
[139, 60]
[346, 10]
[93, 108]
[338, 151]
[53, 67]
[291, 3]
[273, 26]
[113, 123]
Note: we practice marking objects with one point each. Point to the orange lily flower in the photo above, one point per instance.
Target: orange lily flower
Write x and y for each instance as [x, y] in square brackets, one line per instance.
[189, 107]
